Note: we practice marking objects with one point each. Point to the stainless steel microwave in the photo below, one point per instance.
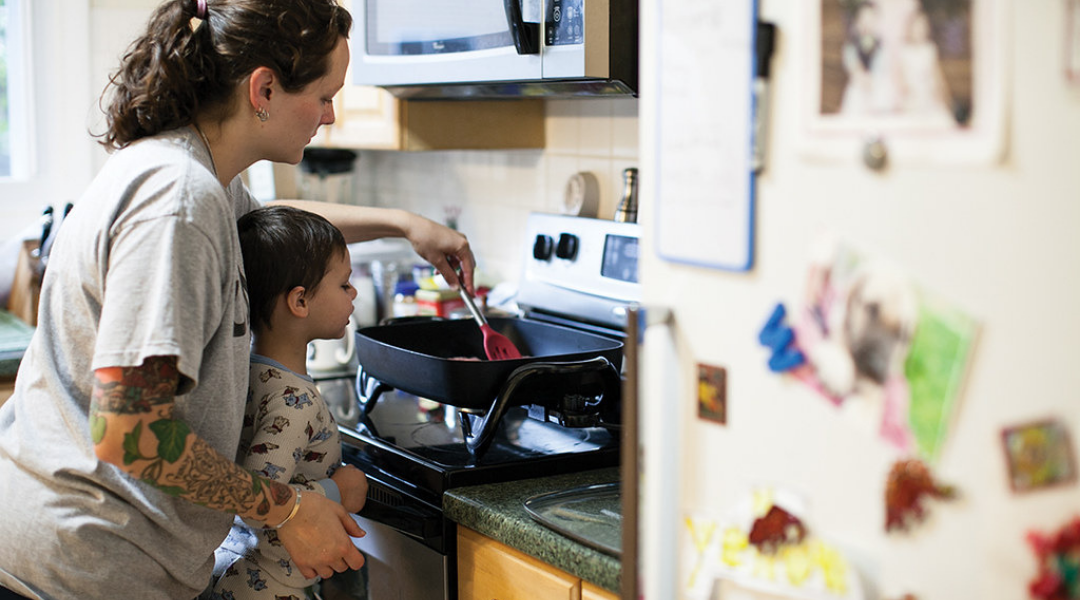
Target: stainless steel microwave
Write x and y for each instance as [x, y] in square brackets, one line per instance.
[496, 48]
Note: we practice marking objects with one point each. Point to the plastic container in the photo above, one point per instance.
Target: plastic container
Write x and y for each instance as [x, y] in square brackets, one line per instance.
[440, 303]
[384, 261]
[327, 174]
[405, 304]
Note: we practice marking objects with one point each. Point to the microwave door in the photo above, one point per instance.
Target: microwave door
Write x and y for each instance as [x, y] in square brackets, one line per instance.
[417, 42]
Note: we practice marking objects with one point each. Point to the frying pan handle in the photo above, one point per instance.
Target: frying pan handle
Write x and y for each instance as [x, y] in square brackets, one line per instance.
[479, 442]
[368, 390]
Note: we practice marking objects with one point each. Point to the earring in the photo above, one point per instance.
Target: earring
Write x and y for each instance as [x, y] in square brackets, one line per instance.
[262, 114]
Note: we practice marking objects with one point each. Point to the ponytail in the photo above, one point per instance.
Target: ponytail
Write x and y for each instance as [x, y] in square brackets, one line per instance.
[181, 66]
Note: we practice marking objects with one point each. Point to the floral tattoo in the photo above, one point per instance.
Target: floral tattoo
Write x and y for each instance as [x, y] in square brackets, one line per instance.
[140, 401]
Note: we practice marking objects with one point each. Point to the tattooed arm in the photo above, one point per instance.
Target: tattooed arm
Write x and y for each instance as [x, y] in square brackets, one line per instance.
[132, 425]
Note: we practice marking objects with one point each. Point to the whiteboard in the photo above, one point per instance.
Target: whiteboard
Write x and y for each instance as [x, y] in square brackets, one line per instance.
[705, 187]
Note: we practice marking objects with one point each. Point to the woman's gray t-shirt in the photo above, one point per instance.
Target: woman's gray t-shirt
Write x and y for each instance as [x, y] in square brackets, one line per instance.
[147, 264]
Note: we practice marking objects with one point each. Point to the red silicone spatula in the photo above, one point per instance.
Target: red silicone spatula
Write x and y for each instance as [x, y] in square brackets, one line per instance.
[496, 345]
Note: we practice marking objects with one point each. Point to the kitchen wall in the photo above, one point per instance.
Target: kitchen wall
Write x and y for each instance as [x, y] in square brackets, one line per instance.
[114, 24]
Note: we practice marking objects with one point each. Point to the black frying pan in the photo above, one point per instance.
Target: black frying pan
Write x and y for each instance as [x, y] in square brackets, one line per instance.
[423, 357]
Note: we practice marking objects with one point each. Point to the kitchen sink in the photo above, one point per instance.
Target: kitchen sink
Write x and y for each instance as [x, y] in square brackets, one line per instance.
[590, 515]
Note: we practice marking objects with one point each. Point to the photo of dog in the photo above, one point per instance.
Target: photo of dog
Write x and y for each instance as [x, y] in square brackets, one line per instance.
[858, 329]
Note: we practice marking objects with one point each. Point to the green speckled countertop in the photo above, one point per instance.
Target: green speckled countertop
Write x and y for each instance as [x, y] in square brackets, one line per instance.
[496, 510]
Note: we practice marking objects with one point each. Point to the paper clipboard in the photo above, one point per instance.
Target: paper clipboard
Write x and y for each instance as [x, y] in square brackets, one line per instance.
[706, 69]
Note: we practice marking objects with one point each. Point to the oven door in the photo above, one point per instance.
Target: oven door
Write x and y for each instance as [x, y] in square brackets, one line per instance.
[408, 551]
[409, 545]
[396, 567]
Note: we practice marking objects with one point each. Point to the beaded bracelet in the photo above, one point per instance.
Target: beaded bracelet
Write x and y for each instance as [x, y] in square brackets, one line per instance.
[295, 509]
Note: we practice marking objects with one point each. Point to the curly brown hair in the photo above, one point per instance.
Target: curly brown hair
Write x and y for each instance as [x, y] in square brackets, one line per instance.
[175, 69]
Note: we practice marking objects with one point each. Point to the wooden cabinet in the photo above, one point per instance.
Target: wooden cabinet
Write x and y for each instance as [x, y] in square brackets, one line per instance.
[372, 118]
[591, 592]
[7, 388]
[366, 117]
[489, 570]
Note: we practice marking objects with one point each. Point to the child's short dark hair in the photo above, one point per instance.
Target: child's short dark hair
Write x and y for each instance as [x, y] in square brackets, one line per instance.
[283, 248]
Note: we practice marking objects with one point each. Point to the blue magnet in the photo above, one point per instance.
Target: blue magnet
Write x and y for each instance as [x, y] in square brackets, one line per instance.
[779, 337]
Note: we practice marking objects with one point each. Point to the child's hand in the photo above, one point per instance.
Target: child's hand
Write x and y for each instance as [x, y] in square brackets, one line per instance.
[353, 485]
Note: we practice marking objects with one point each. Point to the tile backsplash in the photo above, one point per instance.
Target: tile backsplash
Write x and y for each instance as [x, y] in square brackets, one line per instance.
[494, 191]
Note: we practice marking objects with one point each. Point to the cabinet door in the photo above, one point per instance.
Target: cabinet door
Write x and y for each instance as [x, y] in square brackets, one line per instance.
[366, 117]
[591, 592]
[488, 570]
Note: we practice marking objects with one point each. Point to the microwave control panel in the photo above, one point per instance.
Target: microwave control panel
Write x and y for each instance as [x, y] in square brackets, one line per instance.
[565, 22]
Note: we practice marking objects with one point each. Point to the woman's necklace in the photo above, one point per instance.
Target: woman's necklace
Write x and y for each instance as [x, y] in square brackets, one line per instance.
[213, 164]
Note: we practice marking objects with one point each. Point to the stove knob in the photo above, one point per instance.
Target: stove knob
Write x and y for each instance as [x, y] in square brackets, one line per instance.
[542, 247]
[568, 246]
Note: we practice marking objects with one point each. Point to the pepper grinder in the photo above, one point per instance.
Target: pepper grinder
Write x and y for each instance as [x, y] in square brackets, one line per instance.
[627, 209]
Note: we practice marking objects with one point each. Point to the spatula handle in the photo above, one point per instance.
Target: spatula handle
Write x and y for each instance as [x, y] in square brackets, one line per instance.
[472, 306]
[469, 303]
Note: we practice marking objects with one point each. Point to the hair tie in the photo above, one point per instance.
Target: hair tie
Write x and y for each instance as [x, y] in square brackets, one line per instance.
[200, 10]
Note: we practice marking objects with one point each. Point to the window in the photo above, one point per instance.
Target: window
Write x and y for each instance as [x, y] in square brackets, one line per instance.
[14, 115]
[5, 110]
[45, 47]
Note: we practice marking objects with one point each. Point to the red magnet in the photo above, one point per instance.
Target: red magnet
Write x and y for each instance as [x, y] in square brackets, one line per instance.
[777, 528]
[1059, 563]
[910, 482]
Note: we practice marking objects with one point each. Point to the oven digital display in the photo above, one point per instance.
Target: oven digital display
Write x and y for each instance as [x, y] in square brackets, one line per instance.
[620, 258]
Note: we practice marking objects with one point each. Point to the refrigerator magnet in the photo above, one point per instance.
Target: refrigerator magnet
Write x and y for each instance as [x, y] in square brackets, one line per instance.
[778, 337]
[712, 393]
[1056, 554]
[910, 484]
[1039, 454]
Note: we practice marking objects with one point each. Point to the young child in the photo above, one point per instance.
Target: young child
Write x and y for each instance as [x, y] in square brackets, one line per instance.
[297, 268]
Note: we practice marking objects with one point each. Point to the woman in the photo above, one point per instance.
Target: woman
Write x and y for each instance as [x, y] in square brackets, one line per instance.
[117, 449]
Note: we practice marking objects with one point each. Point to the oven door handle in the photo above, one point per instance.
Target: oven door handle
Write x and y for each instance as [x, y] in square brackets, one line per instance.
[409, 521]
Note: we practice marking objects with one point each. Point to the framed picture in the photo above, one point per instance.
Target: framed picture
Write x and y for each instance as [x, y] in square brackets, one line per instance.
[926, 77]
[712, 393]
[1039, 455]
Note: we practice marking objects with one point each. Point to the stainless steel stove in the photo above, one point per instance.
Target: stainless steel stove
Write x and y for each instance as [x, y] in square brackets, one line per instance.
[579, 273]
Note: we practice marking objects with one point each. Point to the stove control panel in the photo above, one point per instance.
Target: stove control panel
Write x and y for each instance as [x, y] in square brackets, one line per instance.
[567, 248]
[543, 247]
[580, 268]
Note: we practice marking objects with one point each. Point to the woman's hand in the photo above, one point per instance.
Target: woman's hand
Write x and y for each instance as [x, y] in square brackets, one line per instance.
[353, 485]
[439, 245]
[318, 538]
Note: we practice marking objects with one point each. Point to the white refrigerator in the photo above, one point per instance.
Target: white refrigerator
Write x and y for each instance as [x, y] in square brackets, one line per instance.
[861, 368]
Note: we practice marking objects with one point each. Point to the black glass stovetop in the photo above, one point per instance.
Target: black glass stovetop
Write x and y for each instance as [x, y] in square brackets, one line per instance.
[418, 447]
